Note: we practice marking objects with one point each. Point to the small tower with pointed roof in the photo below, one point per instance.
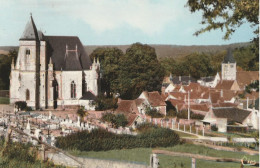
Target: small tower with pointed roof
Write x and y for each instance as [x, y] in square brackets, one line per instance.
[228, 67]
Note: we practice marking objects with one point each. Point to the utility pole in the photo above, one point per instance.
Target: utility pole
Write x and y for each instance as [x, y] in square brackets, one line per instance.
[188, 105]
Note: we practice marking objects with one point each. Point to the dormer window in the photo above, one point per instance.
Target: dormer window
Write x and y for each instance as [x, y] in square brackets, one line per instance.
[27, 52]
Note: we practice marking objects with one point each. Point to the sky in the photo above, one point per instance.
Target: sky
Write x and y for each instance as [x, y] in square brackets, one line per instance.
[112, 22]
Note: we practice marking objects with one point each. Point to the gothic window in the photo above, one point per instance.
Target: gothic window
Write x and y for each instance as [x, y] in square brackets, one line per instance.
[73, 89]
[27, 51]
[231, 66]
[27, 94]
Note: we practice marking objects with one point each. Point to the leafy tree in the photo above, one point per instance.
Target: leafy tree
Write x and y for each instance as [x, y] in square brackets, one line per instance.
[109, 60]
[228, 15]
[153, 112]
[104, 103]
[116, 120]
[253, 86]
[5, 68]
[81, 113]
[139, 71]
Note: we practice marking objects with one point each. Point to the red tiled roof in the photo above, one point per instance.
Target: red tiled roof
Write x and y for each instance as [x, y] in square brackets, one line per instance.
[225, 84]
[246, 77]
[200, 107]
[155, 99]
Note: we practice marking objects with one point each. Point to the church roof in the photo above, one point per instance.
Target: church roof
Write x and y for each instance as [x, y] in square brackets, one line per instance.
[71, 61]
[229, 57]
[56, 49]
[30, 31]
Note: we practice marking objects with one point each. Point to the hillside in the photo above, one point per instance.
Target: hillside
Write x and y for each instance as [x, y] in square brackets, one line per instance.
[161, 50]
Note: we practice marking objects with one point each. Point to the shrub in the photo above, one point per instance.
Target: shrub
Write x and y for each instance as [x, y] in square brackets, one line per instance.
[116, 120]
[104, 103]
[21, 105]
[214, 128]
[154, 113]
[101, 140]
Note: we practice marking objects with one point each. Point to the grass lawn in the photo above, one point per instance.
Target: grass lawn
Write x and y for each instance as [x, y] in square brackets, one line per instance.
[142, 155]
[4, 100]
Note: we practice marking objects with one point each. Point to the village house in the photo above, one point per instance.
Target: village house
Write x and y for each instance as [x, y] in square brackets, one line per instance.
[153, 100]
[231, 117]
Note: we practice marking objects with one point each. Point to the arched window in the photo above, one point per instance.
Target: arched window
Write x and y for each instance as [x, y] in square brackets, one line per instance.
[73, 89]
[27, 94]
[27, 51]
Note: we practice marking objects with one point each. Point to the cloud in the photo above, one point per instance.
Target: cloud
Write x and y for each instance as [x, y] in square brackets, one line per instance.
[149, 16]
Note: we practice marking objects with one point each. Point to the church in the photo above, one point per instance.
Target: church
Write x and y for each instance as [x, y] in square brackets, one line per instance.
[52, 71]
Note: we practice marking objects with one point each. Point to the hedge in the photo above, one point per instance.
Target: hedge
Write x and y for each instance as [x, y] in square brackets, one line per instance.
[102, 140]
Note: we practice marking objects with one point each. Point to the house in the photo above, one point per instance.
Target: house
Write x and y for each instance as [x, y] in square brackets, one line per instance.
[154, 100]
[130, 110]
[234, 117]
[52, 71]
[210, 81]
[184, 80]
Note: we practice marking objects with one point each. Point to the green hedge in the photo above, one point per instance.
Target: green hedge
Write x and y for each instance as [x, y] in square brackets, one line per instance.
[101, 140]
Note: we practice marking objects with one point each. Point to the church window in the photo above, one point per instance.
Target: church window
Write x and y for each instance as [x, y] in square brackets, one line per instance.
[27, 94]
[27, 52]
[73, 89]
[231, 66]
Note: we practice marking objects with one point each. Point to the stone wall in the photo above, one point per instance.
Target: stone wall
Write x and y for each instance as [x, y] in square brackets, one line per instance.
[61, 159]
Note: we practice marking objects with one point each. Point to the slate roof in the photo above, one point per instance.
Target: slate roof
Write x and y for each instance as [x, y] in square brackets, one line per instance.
[71, 61]
[229, 57]
[207, 79]
[30, 31]
[56, 49]
[185, 80]
[88, 96]
[232, 114]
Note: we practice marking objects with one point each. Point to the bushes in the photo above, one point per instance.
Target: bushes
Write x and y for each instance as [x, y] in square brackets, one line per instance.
[21, 105]
[116, 120]
[154, 113]
[101, 140]
[104, 103]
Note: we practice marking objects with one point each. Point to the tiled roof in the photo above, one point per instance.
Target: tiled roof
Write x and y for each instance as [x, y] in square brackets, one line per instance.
[232, 114]
[139, 101]
[225, 84]
[155, 99]
[199, 107]
[129, 109]
[223, 104]
[246, 77]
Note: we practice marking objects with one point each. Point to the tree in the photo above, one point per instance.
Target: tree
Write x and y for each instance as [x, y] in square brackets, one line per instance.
[116, 120]
[81, 113]
[229, 15]
[139, 71]
[109, 60]
[5, 68]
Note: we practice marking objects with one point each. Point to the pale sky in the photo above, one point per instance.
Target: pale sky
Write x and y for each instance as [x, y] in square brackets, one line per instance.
[112, 22]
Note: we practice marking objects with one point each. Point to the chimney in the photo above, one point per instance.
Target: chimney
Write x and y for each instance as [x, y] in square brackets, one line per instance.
[163, 89]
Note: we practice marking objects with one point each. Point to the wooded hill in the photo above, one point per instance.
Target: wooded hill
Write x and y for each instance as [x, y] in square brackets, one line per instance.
[162, 51]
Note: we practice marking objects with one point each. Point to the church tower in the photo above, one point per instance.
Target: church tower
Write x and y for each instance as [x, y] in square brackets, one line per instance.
[228, 67]
[25, 76]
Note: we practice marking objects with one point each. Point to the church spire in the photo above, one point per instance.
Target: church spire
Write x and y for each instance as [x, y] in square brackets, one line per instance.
[30, 31]
[229, 57]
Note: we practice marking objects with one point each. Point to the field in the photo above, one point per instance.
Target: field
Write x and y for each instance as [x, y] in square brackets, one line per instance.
[142, 155]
